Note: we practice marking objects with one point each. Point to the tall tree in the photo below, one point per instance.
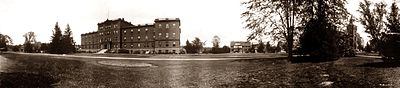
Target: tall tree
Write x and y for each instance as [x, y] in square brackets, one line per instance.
[321, 31]
[30, 40]
[372, 19]
[275, 18]
[68, 41]
[5, 40]
[284, 20]
[393, 19]
[390, 41]
[56, 43]
[216, 40]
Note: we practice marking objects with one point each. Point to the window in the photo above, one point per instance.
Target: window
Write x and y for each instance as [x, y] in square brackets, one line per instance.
[131, 37]
[138, 45]
[154, 36]
[166, 26]
[173, 25]
[173, 44]
[138, 29]
[124, 45]
[131, 30]
[124, 38]
[132, 45]
[159, 34]
[125, 31]
[146, 29]
[159, 25]
[147, 37]
[166, 35]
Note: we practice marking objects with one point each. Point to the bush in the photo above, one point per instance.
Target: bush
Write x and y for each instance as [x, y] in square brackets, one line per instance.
[391, 46]
[224, 49]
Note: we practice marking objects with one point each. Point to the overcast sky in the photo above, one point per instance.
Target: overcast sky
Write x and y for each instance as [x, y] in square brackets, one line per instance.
[199, 18]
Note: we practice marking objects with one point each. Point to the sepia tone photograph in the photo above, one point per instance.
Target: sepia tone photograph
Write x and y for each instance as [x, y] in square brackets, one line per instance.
[199, 43]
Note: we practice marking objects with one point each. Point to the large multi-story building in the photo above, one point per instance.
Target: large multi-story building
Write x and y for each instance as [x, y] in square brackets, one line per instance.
[240, 47]
[162, 36]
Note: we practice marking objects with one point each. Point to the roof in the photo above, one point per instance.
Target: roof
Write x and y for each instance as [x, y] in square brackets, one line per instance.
[166, 19]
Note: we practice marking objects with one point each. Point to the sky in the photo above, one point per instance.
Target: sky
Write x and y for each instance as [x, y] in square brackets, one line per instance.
[199, 18]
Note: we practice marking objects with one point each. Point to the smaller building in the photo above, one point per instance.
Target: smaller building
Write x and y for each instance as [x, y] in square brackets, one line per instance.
[240, 47]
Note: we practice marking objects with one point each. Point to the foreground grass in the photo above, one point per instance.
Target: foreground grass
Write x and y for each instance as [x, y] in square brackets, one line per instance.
[249, 73]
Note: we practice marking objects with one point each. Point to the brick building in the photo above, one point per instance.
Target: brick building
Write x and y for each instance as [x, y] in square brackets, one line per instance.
[162, 36]
[240, 47]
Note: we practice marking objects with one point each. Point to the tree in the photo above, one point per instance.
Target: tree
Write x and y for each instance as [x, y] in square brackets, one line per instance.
[30, 40]
[360, 42]
[5, 40]
[68, 41]
[189, 47]
[373, 21]
[216, 40]
[391, 40]
[16, 48]
[368, 48]
[44, 47]
[261, 47]
[284, 20]
[197, 45]
[225, 49]
[393, 19]
[56, 43]
[260, 18]
[321, 32]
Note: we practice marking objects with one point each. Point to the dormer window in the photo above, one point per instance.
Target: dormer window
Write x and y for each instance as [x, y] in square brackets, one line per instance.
[166, 26]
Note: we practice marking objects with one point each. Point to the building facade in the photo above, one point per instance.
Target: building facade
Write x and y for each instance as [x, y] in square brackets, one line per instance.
[162, 36]
[240, 47]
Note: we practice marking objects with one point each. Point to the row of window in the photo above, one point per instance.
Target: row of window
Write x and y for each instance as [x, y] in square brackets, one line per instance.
[147, 45]
[108, 27]
[133, 45]
[166, 25]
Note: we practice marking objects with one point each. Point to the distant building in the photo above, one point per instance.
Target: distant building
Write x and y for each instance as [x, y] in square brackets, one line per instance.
[163, 36]
[240, 47]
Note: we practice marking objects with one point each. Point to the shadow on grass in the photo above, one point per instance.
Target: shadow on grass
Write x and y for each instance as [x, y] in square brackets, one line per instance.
[384, 64]
[25, 80]
[309, 59]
